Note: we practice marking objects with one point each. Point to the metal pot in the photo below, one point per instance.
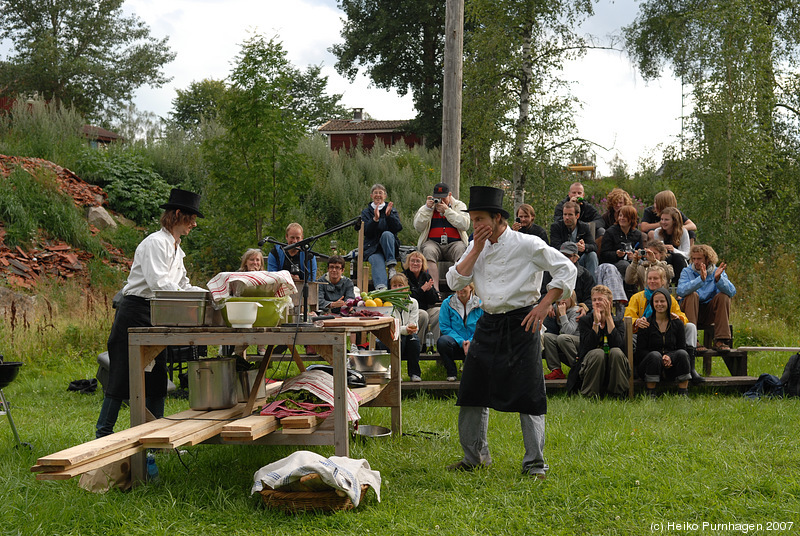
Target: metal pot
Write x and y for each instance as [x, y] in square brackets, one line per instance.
[212, 383]
[244, 384]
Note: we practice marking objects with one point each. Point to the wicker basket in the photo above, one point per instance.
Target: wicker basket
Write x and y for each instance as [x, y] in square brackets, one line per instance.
[302, 501]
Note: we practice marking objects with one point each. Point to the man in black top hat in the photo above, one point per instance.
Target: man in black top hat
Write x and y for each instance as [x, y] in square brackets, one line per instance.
[503, 368]
[442, 225]
[157, 265]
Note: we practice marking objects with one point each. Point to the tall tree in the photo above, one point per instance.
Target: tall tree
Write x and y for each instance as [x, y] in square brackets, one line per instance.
[257, 172]
[83, 53]
[401, 46]
[310, 100]
[516, 108]
[736, 56]
[200, 101]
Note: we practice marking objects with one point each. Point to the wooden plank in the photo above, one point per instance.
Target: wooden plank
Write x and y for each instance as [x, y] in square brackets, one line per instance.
[768, 349]
[90, 465]
[174, 434]
[300, 421]
[248, 424]
[111, 443]
[356, 321]
[269, 426]
[368, 393]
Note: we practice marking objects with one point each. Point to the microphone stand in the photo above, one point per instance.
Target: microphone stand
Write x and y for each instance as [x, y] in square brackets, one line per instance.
[305, 245]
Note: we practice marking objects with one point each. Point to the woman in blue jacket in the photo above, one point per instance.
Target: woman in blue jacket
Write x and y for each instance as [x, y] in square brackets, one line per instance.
[457, 319]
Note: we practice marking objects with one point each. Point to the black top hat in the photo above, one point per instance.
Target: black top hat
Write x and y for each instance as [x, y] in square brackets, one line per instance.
[185, 201]
[441, 190]
[486, 198]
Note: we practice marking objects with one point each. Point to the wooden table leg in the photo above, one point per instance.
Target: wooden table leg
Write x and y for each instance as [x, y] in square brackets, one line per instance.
[298, 360]
[251, 400]
[341, 439]
[138, 358]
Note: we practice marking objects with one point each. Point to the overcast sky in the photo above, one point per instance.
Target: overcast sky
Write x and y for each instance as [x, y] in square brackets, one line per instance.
[620, 112]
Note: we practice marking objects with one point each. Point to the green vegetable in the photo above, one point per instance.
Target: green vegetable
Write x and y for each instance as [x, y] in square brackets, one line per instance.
[399, 297]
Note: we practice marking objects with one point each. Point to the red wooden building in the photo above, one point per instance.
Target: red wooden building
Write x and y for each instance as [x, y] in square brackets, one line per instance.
[349, 133]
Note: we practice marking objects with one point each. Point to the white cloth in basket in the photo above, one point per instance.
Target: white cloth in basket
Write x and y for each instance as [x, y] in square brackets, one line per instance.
[339, 472]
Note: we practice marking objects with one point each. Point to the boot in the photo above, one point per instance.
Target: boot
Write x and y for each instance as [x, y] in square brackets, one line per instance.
[696, 378]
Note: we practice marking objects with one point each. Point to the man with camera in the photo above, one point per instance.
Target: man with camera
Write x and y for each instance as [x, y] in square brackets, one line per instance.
[293, 260]
[442, 225]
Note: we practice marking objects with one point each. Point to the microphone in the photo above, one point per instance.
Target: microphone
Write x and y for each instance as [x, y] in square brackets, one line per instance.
[265, 240]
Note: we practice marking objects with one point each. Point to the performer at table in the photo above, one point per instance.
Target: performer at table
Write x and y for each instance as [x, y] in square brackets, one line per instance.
[503, 367]
[157, 265]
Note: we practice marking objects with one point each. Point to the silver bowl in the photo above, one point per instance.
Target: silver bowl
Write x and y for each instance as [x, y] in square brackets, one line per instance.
[370, 360]
[371, 430]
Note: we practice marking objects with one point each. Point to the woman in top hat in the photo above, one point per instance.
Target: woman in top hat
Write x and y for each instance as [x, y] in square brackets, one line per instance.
[157, 265]
[503, 367]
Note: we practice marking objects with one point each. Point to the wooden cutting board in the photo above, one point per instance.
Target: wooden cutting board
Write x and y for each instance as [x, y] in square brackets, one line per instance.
[357, 321]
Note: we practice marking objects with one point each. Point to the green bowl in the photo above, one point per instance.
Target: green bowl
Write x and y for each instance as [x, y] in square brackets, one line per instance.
[273, 311]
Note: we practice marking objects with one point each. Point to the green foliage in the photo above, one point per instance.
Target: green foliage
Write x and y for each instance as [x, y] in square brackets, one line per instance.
[401, 46]
[38, 129]
[201, 101]
[133, 188]
[30, 203]
[85, 54]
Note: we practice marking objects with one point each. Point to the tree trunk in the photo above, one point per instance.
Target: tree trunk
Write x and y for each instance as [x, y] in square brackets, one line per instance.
[519, 176]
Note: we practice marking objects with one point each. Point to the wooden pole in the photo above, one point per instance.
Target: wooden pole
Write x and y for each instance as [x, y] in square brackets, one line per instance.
[451, 99]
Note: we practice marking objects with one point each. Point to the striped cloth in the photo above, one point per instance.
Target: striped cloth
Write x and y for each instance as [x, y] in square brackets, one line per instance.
[277, 283]
[319, 383]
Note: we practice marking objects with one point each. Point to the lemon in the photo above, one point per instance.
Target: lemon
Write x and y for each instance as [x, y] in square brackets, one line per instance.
[378, 302]
[369, 303]
[387, 304]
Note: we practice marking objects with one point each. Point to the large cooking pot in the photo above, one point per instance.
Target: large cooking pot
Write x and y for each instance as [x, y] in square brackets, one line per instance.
[8, 372]
[212, 383]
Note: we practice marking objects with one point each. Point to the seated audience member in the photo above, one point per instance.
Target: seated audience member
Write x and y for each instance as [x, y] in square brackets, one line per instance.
[252, 261]
[422, 290]
[571, 229]
[457, 320]
[602, 370]
[584, 283]
[442, 224]
[655, 253]
[409, 325]
[562, 346]
[651, 219]
[381, 246]
[675, 238]
[334, 289]
[639, 310]
[621, 241]
[524, 223]
[616, 199]
[294, 261]
[707, 292]
[661, 346]
[588, 214]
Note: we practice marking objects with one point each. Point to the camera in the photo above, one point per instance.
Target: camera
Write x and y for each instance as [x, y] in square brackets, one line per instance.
[517, 220]
[436, 200]
[642, 253]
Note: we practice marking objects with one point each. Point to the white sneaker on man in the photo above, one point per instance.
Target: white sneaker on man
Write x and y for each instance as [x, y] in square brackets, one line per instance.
[392, 271]
[415, 378]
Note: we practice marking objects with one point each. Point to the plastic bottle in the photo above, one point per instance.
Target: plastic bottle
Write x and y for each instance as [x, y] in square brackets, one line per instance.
[429, 342]
[152, 468]
[605, 345]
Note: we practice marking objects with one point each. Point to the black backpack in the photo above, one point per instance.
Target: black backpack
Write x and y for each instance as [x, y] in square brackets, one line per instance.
[791, 376]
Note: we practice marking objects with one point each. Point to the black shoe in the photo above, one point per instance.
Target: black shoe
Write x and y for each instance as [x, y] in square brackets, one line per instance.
[650, 393]
[696, 378]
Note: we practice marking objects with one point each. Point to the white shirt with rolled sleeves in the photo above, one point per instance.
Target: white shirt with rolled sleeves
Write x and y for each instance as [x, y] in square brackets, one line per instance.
[508, 274]
[157, 265]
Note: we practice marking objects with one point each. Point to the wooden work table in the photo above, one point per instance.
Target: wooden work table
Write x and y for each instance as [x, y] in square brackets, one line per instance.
[331, 341]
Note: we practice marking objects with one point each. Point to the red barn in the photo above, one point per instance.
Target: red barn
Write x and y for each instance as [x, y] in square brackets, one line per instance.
[349, 133]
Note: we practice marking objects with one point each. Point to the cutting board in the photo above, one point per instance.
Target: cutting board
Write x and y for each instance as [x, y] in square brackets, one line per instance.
[357, 321]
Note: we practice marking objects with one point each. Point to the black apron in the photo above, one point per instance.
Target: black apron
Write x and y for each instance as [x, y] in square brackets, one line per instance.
[503, 368]
[133, 312]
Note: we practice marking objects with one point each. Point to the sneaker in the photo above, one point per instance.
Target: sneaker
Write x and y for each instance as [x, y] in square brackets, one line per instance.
[538, 476]
[415, 378]
[353, 348]
[392, 271]
[556, 374]
[466, 467]
[451, 378]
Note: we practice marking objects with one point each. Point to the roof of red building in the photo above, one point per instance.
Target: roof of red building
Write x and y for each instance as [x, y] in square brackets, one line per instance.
[369, 125]
[99, 133]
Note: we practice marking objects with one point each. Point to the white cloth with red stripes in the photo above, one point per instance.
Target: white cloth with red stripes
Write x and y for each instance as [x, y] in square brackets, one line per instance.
[320, 383]
[275, 283]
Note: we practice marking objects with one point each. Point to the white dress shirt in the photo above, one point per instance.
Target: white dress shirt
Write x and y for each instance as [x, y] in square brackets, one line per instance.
[508, 274]
[157, 265]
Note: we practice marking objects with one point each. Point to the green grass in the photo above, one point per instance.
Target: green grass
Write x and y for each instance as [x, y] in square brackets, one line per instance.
[615, 468]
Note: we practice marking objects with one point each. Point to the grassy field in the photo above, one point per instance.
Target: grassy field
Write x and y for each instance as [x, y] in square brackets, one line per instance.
[616, 468]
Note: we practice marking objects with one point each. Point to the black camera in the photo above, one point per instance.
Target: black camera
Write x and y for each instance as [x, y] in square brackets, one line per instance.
[517, 220]
[642, 253]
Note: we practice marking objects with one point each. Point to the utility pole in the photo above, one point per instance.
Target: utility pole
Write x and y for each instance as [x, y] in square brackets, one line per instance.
[451, 99]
